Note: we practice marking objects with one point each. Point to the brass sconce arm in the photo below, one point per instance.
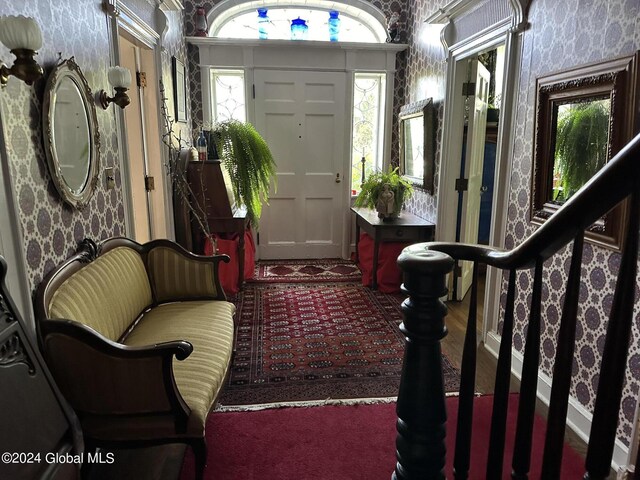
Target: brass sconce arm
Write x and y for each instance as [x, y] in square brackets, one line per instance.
[23, 37]
[120, 98]
[120, 79]
[25, 67]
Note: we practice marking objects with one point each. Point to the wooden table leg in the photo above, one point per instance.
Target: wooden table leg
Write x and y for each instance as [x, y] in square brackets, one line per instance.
[374, 273]
[241, 260]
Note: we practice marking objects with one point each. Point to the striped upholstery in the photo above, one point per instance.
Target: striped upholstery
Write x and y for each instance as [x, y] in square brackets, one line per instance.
[107, 295]
[175, 277]
[208, 326]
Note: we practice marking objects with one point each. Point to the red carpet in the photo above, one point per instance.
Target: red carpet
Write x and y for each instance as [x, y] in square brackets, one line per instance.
[298, 342]
[340, 443]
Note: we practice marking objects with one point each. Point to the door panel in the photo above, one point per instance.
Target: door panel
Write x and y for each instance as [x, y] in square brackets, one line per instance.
[301, 115]
[135, 148]
[151, 209]
[476, 133]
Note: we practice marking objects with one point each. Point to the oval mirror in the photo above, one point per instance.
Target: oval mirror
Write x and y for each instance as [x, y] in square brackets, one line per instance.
[71, 137]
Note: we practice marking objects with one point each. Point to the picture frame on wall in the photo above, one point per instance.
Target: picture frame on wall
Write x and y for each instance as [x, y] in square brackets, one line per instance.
[179, 90]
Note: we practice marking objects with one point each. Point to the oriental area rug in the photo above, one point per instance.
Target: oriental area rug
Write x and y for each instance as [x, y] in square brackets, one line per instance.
[298, 342]
[331, 270]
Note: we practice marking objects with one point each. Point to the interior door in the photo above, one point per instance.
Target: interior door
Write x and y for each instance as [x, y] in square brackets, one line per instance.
[476, 131]
[148, 197]
[301, 115]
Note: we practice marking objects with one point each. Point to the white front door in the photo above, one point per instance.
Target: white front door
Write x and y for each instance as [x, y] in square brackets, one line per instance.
[301, 115]
[476, 132]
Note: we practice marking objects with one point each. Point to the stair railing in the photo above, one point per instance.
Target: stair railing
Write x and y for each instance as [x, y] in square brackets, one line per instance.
[422, 424]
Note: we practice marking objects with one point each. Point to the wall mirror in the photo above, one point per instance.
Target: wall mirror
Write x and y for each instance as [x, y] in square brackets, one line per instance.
[584, 117]
[71, 138]
[416, 144]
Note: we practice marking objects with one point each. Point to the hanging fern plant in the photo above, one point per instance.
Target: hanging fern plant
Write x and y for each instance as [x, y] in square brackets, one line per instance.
[248, 160]
[581, 144]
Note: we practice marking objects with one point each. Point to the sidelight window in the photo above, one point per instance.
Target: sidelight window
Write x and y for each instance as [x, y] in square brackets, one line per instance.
[368, 127]
[227, 95]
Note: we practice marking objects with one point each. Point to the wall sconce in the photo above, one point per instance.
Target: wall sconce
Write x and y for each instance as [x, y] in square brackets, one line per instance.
[22, 36]
[120, 79]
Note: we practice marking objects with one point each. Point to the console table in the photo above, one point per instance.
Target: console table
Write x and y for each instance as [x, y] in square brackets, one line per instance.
[406, 228]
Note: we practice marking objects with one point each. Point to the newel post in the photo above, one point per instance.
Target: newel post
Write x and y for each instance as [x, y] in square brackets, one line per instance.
[421, 410]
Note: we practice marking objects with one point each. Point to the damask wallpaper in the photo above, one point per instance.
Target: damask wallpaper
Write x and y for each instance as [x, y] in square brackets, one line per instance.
[425, 78]
[562, 35]
[556, 39]
[51, 230]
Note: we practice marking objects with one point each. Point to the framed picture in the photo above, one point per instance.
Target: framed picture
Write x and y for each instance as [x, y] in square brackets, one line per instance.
[179, 90]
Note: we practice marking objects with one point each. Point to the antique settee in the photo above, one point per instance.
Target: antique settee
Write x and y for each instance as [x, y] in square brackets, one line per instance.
[139, 339]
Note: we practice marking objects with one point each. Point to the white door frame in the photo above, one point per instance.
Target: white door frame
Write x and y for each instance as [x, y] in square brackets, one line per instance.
[248, 55]
[11, 241]
[453, 126]
[123, 18]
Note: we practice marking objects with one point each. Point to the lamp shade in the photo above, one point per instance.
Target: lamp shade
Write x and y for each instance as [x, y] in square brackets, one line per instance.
[20, 33]
[119, 77]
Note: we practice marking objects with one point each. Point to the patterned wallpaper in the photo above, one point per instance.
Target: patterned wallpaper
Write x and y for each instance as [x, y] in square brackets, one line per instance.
[562, 35]
[600, 30]
[425, 78]
[51, 229]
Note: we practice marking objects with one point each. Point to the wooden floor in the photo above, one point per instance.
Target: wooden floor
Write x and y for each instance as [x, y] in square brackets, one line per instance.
[164, 462]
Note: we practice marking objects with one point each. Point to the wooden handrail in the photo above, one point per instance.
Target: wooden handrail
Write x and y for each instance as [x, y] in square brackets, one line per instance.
[421, 408]
[615, 181]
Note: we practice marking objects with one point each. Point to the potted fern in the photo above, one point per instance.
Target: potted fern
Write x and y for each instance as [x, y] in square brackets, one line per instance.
[249, 162]
[374, 193]
[581, 145]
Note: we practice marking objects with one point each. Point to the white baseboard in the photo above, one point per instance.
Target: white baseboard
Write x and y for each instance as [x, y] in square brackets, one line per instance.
[578, 417]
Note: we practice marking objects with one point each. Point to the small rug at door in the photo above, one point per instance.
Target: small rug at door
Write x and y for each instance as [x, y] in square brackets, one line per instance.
[345, 443]
[290, 271]
[300, 342]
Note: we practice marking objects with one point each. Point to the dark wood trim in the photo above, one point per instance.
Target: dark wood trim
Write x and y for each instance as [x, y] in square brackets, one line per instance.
[180, 348]
[213, 259]
[425, 109]
[420, 426]
[616, 80]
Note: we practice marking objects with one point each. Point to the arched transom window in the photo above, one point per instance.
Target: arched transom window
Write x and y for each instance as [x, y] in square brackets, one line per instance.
[315, 20]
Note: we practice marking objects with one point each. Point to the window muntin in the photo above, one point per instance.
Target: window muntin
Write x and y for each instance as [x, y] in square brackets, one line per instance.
[368, 127]
[245, 25]
[228, 95]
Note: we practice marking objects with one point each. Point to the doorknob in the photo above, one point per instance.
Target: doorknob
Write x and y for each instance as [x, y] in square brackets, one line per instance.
[338, 179]
[483, 189]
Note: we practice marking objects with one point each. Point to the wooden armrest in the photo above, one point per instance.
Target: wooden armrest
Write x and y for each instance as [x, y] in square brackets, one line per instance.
[102, 377]
[177, 274]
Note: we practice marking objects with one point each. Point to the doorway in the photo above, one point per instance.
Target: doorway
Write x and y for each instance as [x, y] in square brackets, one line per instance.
[483, 93]
[145, 172]
[301, 115]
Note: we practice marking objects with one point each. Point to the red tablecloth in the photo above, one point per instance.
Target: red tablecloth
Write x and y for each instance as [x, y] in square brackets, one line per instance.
[389, 276]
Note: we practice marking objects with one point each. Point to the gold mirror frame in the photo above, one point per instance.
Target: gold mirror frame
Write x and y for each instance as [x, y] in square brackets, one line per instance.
[615, 80]
[69, 69]
[423, 109]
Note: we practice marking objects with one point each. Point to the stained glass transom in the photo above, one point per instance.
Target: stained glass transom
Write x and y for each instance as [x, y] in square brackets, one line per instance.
[249, 25]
